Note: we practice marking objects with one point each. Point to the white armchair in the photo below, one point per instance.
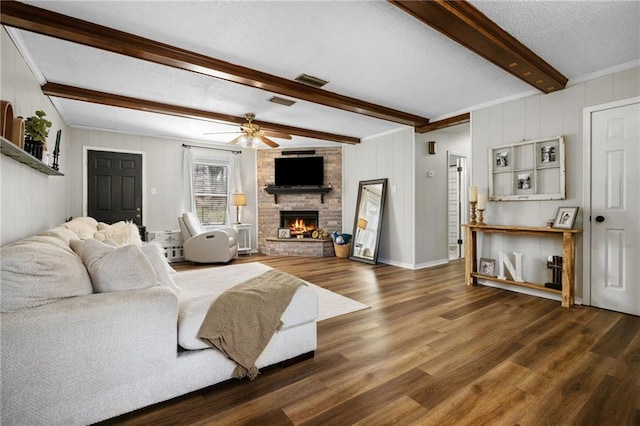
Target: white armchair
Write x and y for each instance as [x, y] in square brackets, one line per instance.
[202, 246]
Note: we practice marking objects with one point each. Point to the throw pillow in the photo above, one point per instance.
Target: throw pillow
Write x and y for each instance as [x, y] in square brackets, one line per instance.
[78, 245]
[117, 268]
[155, 255]
[120, 232]
[39, 270]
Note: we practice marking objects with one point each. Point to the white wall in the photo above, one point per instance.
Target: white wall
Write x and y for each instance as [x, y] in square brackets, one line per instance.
[539, 116]
[31, 201]
[163, 172]
[385, 156]
[431, 192]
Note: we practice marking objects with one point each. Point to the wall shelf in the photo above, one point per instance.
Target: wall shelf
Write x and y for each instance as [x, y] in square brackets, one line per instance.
[568, 256]
[276, 190]
[11, 150]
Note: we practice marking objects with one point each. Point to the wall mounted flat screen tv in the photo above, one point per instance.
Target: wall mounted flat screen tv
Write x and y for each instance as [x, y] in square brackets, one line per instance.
[299, 171]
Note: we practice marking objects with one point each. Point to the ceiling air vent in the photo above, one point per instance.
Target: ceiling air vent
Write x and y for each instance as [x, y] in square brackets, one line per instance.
[311, 80]
[281, 101]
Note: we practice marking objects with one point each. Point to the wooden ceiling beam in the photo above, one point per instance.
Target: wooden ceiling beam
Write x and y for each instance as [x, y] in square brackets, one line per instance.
[96, 97]
[41, 21]
[444, 123]
[463, 23]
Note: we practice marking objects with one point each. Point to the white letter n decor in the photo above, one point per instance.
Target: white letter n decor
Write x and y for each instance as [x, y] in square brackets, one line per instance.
[503, 261]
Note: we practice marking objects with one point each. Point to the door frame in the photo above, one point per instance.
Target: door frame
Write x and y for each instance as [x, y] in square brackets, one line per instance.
[85, 176]
[464, 194]
[587, 113]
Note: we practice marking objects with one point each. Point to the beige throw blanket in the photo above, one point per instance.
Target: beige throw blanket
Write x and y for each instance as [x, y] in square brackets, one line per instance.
[243, 319]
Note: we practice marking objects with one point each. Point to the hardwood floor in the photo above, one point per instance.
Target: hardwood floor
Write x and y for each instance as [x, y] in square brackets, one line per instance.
[431, 351]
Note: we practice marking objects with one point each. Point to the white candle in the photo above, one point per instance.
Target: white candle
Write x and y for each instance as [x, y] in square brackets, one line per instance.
[482, 201]
[473, 194]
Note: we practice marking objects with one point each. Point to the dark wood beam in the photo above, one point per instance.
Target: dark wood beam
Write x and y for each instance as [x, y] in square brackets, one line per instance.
[93, 96]
[41, 21]
[468, 26]
[447, 122]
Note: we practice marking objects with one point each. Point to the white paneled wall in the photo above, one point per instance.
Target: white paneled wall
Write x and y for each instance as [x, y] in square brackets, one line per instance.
[31, 201]
[385, 156]
[539, 116]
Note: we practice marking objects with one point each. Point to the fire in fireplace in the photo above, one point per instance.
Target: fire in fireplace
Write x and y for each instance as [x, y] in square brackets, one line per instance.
[301, 222]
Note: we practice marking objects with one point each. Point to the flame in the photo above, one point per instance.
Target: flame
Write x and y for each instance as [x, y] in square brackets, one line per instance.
[298, 226]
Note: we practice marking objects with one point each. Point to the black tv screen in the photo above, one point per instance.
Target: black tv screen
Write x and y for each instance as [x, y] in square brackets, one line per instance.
[299, 171]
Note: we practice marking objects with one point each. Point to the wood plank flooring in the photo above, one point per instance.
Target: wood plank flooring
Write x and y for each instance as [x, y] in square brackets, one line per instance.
[431, 351]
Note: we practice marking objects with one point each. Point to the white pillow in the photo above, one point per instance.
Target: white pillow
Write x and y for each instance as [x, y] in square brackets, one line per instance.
[120, 232]
[117, 268]
[39, 270]
[155, 255]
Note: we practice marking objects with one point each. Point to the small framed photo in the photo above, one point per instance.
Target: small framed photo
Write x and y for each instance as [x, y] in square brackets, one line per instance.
[487, 267]
[502, 158]
[284, 232]
[565, 217]
[524, 181]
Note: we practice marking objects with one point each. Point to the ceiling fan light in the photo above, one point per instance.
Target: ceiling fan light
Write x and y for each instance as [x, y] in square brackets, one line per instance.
[255, 141]
[243, 140]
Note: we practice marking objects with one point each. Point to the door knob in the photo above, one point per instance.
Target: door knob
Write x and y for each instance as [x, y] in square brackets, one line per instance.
[599, 219]
[138, 216]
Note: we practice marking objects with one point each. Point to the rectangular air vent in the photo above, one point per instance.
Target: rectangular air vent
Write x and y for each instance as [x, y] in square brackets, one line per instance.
[311, 80]
[281, 101]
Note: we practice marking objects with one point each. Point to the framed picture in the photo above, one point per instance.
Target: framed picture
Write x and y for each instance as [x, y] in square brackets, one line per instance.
[502, 158]
[524, 181]
[528, 170]
[487, 267]
[565, 217]
[284, 233]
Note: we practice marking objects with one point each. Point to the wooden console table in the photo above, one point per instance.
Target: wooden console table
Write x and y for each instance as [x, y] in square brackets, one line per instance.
[568, 257]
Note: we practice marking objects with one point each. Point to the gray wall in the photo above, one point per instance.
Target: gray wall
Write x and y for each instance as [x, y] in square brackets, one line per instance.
[431, 192]
[31, 201]
[385, 156]
[541, 116]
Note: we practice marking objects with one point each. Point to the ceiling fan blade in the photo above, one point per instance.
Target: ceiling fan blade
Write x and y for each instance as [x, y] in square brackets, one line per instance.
[235, 141]
[277, 135]
[220, 133]
[269, 142]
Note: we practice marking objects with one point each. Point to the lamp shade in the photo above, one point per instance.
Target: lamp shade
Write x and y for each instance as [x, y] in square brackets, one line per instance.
[239, 199]
[362, 223]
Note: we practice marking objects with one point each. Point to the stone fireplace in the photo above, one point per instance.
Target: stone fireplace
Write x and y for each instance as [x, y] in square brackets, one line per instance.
[300, 222]
[326, 208]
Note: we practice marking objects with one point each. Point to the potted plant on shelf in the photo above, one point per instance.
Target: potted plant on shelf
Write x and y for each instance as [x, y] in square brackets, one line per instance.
[36, 129]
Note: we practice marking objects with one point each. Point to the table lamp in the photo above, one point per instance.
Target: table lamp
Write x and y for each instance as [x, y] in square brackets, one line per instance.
[238, 199]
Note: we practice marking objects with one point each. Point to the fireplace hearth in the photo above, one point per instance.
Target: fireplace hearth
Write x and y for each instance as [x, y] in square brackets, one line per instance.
[300, 222]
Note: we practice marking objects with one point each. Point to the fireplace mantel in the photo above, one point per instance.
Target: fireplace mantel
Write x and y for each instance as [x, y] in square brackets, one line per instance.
[275, 190]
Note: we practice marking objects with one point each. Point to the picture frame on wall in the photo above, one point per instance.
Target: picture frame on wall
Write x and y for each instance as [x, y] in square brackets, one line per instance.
[528, 170]
[487, 267]
[565, 217]
[284, 233]
[502, 159]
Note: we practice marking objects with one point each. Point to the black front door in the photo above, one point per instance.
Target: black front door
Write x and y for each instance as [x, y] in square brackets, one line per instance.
[114, 185]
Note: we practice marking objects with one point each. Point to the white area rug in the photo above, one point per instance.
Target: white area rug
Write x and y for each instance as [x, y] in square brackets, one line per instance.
[333, 305]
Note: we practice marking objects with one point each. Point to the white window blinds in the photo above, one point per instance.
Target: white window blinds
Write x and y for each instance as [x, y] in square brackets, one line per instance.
[210, 192]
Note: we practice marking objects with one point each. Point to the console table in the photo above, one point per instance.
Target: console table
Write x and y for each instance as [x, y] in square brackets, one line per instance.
[568, 257]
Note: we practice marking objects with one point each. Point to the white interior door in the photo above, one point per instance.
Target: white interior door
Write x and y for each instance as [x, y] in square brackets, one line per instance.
[615, 209]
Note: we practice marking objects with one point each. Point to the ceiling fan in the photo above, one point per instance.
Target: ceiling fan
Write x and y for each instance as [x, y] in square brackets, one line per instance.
[252, 136]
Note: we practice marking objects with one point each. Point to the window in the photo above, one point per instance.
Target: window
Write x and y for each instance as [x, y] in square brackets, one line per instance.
[210, 192]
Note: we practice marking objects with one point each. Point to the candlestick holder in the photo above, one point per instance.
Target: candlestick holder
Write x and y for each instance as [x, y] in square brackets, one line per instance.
[481, 217]
[473, 212]
[54, 166]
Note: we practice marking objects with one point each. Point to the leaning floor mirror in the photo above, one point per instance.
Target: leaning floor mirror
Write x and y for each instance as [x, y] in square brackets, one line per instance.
[368, 220]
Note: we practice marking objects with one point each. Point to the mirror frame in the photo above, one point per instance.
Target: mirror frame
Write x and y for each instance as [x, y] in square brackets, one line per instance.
[383, 195]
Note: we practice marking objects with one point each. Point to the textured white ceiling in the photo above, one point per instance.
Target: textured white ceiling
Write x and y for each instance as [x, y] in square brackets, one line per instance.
[369, 50]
